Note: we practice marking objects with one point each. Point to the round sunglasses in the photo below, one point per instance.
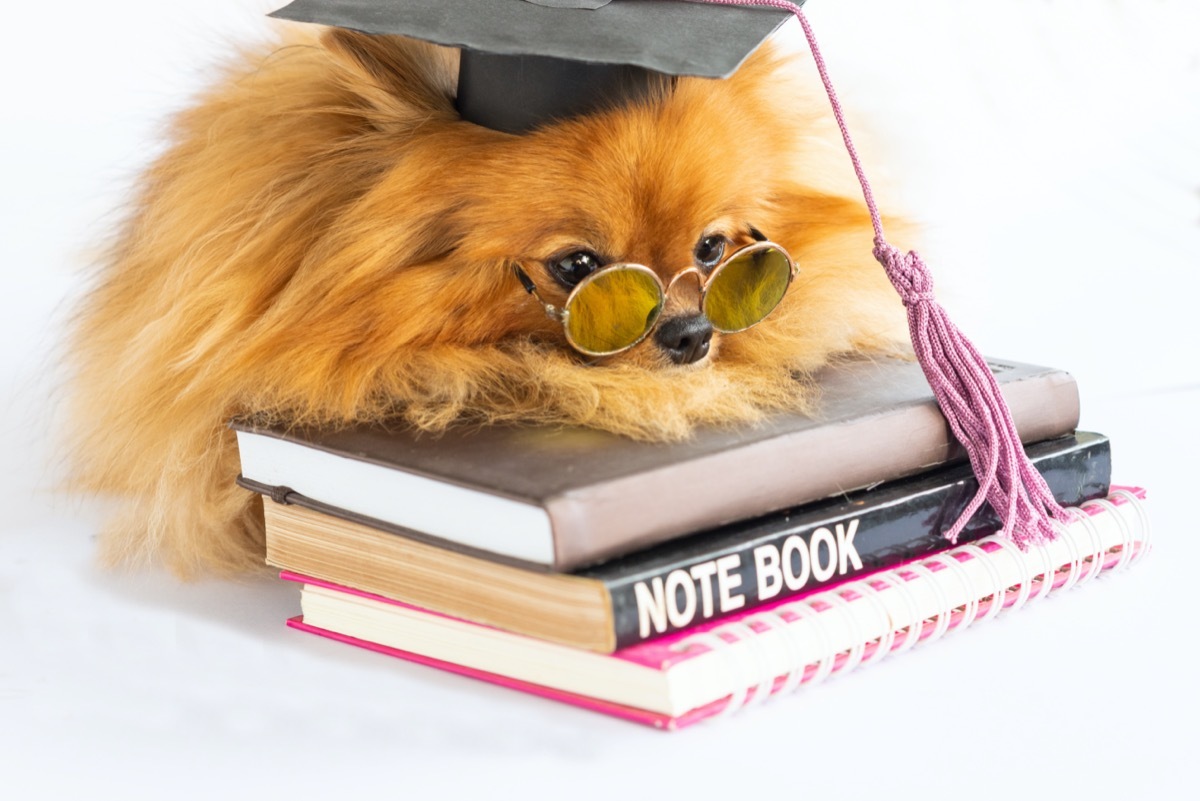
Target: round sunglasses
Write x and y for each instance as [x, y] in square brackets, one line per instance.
[619, 305]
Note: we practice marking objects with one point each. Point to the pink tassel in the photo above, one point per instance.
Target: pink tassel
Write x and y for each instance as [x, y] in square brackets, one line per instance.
[971, 401]
[963, 384]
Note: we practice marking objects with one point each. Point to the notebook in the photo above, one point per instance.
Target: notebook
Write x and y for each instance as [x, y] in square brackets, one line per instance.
[716, 669]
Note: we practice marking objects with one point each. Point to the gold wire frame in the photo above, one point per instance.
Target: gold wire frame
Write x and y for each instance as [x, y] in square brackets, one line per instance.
[563, 314]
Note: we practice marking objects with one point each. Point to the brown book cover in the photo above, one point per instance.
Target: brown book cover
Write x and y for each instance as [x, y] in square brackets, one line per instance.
[566, 498]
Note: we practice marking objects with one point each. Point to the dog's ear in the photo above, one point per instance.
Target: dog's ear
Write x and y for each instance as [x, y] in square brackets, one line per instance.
[402, 79]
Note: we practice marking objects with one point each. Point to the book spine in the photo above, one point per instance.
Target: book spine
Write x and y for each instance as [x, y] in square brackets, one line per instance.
[793, 553]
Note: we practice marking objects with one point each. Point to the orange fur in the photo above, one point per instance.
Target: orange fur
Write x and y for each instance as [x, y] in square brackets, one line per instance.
[326, 242]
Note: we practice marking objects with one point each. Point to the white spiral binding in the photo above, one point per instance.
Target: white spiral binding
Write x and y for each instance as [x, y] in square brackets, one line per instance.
[998, 587]
[1143, 516]
[753, 658]
[900, 586]
[1098, 541]
[1075, 566]
[971, 606]
[716, 642]
[887, 640]
[1097, 550]
[943, 603]
[775, 621]
[854, 658]
[825, 664]
[1128, 557]
[742, 668]
[1047, 574]
[1016, 554]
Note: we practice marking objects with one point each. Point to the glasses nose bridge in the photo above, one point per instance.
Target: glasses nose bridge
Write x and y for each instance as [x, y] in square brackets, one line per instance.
[680, 276]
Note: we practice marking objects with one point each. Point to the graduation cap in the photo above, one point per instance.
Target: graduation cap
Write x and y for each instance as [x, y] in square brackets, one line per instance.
[526, 63]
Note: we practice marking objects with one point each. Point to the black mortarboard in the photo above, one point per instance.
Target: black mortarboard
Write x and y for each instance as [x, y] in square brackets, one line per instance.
[525, 62]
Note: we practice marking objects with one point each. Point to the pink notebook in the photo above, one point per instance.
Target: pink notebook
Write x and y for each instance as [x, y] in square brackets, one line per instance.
[718, 668]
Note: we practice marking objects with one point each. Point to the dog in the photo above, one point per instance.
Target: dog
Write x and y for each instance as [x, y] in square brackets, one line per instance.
[326, 242]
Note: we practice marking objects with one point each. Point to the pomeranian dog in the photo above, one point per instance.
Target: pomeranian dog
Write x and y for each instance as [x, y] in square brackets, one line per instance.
[327, 242]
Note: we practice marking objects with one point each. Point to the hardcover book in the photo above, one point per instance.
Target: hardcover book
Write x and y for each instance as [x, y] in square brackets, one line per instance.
[716, 668]
[681, 583]
[568, 498]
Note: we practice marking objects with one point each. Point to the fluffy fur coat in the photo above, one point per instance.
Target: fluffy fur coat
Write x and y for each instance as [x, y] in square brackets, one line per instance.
[326, 241]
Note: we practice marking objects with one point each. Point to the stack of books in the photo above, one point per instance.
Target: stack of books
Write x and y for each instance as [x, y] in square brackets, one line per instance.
[670, 583]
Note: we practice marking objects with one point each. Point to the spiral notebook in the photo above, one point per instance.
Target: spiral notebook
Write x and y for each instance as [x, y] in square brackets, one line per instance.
[716, 669]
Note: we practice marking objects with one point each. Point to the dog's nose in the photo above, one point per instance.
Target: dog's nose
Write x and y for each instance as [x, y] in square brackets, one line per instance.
[685, 339]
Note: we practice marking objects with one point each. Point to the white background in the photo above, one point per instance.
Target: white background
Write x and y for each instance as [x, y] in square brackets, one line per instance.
[1052, 150]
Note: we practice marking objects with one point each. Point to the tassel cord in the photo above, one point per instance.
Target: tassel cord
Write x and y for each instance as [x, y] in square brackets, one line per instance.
[963, 384]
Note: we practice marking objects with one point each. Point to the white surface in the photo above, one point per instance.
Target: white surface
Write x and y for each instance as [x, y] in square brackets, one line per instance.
[457, 514]
[1052, 150]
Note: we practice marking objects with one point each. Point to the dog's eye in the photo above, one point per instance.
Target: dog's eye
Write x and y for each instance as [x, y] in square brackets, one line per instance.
[574, 267]
[710, 250]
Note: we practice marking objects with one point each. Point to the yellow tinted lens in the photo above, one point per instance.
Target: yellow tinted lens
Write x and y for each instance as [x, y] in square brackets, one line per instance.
[746, 289]
[613, 310]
